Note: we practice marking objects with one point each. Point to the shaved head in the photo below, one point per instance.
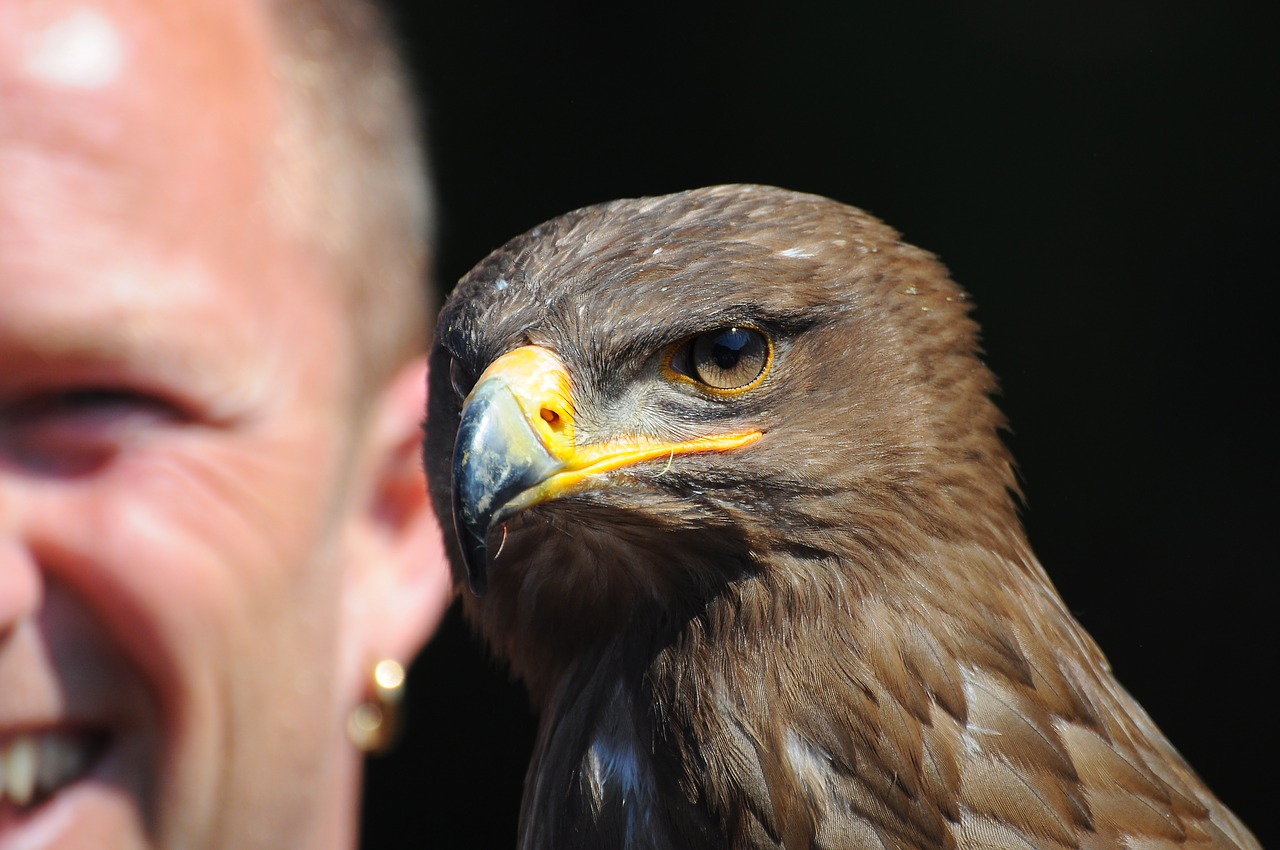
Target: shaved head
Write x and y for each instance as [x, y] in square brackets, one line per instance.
[350, 176]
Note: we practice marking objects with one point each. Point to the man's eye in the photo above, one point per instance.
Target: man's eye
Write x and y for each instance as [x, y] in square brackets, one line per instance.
[74, 431]
[84, 407]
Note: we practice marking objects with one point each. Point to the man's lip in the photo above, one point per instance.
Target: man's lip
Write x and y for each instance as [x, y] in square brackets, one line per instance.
[86, 812]
[37, 764]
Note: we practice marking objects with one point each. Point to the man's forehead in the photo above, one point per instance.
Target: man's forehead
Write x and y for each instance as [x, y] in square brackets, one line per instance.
[133, 142]
[123, 78]
[95, 44]
[136, 142]
[81, 47]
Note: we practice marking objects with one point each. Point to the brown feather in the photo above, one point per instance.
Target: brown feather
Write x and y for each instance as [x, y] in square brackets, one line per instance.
[837, 637]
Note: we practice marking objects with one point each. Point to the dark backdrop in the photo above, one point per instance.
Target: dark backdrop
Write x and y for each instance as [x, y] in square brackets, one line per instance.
[1096, 173]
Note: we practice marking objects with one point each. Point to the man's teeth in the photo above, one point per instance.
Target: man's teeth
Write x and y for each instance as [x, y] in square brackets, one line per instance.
[38, 765]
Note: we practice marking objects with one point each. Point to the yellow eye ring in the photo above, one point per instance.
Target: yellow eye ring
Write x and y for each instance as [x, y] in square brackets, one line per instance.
[727, 361]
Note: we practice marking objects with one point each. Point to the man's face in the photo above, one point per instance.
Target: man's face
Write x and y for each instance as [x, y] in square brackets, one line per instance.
[175, 442]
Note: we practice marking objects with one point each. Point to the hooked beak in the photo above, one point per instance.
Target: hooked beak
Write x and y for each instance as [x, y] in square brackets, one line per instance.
[516, 448]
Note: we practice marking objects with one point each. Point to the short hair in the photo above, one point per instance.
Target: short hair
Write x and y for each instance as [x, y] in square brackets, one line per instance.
[351, 177]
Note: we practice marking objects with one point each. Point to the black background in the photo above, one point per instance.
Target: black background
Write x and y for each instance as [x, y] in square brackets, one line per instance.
[1097, 174]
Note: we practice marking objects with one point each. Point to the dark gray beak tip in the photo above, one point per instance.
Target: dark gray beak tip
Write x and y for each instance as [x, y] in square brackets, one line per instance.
[478, 579]
[471, 532]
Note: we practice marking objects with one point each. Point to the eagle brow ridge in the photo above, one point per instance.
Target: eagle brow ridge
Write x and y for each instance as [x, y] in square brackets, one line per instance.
[647, 341]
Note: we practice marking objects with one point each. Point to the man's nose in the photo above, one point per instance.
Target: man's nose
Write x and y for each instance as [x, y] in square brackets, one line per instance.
[20, 581]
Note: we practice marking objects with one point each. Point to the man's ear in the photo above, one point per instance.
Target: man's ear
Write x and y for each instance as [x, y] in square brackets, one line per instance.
[397, 575]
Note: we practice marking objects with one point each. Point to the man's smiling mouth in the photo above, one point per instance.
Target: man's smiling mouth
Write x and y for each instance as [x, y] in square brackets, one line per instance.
[36, 765]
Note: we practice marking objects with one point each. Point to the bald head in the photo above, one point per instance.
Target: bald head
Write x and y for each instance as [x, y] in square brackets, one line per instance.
[351, 177]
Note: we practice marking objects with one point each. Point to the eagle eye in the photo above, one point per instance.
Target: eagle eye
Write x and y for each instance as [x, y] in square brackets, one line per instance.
[725, 361]
[461, 378]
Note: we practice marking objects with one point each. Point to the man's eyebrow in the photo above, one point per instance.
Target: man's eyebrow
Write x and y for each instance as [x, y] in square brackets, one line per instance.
[86, 330]
[137, 343]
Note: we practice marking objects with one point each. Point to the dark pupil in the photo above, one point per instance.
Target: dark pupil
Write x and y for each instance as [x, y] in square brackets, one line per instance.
[728, 348]
[730, 358]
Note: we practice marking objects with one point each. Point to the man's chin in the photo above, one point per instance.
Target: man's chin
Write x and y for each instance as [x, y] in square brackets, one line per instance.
[70, 790]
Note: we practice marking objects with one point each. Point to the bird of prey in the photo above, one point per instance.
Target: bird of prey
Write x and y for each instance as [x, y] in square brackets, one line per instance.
[731, 498]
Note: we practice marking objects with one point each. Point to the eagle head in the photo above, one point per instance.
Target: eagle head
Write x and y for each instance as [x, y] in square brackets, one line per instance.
[730, 495]
[636, 404]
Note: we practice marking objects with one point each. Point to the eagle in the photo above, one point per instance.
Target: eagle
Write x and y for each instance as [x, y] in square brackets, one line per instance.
[731, 499]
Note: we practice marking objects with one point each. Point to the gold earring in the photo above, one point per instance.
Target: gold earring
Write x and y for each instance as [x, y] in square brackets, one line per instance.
[374, 725]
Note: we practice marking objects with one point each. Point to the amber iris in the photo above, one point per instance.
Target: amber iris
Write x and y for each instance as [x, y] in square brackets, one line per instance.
[725, 361]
